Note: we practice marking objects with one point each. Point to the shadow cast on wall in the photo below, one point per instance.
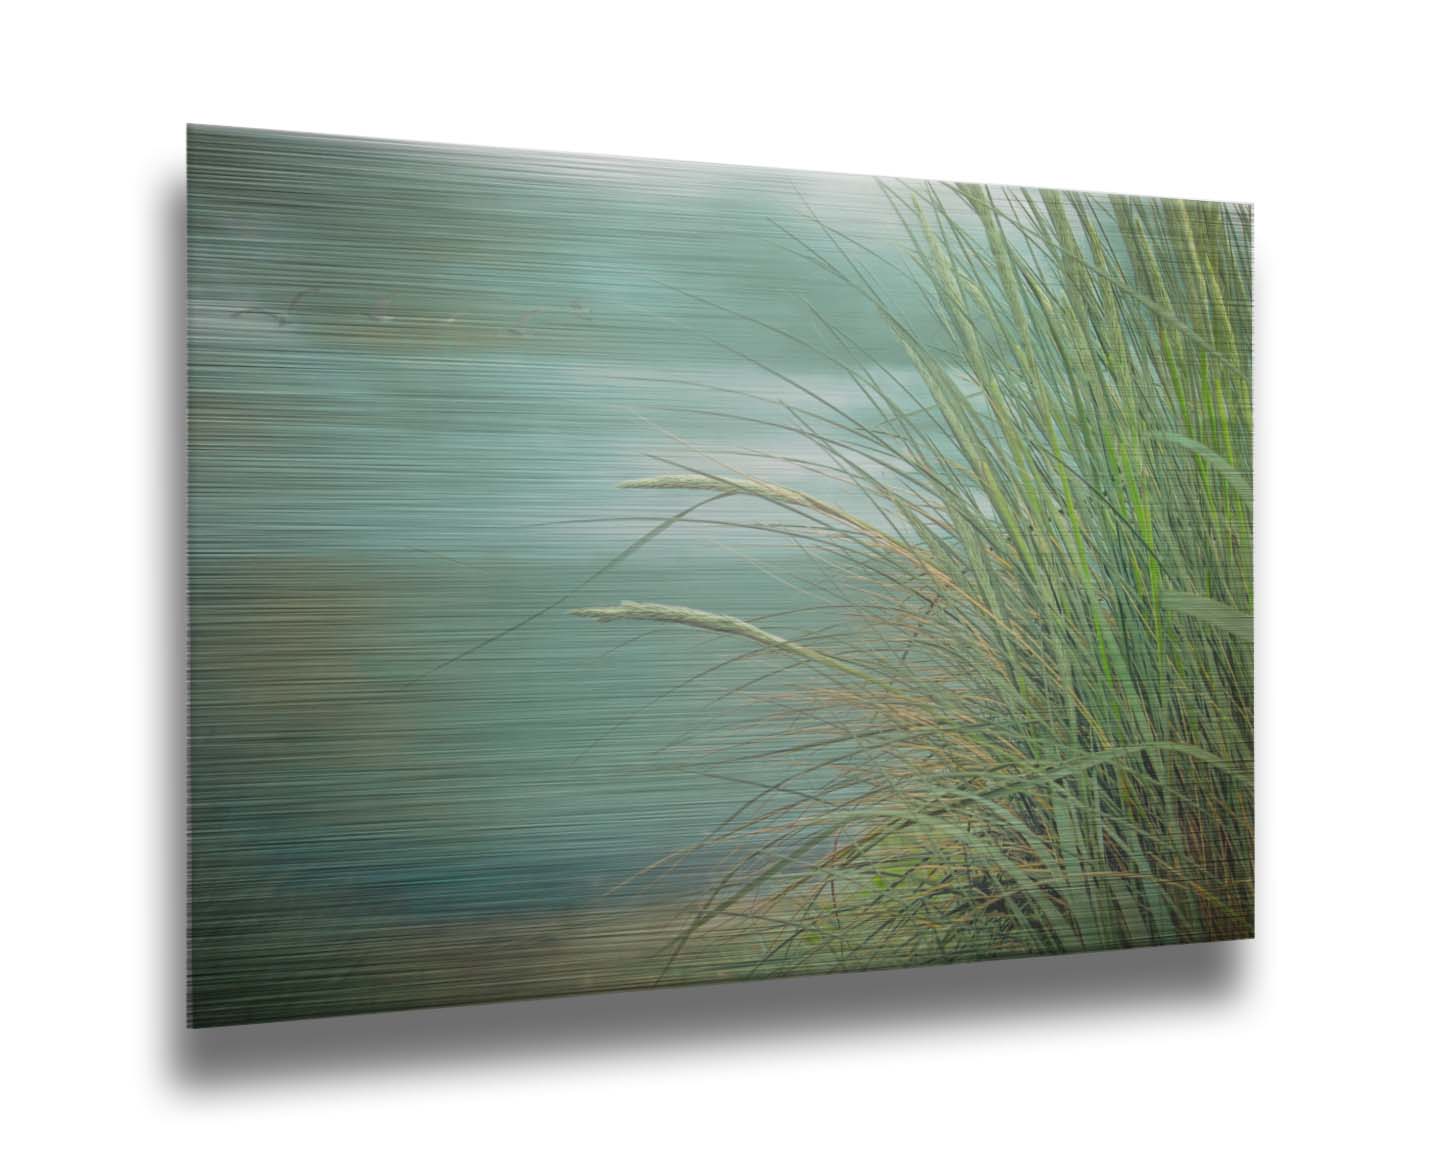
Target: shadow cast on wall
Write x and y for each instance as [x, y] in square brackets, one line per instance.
[716, 1017]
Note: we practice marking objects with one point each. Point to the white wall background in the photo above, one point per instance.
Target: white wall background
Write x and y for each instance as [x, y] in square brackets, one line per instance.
[1321, 1031]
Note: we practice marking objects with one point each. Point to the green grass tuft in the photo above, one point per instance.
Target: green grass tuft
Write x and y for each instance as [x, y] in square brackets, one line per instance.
[1042, 703]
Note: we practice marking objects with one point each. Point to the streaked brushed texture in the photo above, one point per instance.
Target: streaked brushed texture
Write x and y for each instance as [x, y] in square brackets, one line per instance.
[418, 375]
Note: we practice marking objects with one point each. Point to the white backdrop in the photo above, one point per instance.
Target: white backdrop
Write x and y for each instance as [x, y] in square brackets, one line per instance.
[1321, 1030]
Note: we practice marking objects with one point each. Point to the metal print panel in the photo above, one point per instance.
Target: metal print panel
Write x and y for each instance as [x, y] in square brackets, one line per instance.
[614, 573]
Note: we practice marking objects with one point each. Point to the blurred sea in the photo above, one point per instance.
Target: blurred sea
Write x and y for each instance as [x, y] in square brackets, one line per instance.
[417, 375]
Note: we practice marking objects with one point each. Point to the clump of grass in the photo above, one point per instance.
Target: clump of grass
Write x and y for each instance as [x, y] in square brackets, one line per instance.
[1043, 711]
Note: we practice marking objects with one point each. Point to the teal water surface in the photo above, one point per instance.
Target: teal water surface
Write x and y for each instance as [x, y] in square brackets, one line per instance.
[417, 375]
